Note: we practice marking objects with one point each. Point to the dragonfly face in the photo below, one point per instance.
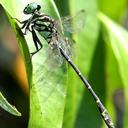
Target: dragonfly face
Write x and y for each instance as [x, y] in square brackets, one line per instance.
[31, 8]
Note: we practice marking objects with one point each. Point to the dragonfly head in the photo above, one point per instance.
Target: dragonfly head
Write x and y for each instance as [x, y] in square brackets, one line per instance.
[31, 8]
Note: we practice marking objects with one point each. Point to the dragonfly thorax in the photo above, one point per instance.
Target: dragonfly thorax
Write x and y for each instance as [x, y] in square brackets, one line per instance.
[45, 29]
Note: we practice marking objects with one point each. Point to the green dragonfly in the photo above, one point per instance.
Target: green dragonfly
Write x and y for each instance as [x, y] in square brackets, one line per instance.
[49, 28]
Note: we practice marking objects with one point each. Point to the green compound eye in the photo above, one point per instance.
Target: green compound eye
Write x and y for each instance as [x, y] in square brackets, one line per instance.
[31, 8]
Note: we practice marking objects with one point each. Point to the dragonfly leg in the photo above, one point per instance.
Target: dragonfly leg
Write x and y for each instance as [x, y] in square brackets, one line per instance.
[21, 22]
[36, 41]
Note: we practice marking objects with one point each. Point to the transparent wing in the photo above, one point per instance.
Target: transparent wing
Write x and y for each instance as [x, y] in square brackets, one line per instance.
[67, 44]
[54, 56]
[71, 24]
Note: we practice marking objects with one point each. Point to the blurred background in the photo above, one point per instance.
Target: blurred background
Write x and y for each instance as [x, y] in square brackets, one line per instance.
[96, 60]
[13, 80]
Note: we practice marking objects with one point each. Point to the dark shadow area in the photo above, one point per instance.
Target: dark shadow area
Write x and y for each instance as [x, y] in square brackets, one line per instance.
[9, 87]
[63, 7]
[119, 103]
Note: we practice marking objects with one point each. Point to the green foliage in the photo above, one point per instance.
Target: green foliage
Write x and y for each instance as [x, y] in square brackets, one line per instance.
[117, 37]
[5, 105]
[57, 97]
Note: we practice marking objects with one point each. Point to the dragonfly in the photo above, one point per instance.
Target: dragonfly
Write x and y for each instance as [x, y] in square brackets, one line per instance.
[49, 29]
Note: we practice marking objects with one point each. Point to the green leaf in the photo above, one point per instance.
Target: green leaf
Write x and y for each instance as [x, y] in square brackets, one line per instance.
[48, 91]
[8, 107]
[86, 41]
[47, 84]
[118, 38]
[115, 12]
